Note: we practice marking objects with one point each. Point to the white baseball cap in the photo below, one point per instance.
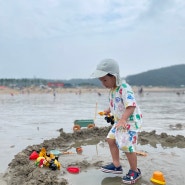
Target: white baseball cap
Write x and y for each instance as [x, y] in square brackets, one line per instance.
[107, 66]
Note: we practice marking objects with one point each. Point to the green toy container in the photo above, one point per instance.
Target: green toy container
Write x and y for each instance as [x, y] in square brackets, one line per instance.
[84, 123]
[89, 123]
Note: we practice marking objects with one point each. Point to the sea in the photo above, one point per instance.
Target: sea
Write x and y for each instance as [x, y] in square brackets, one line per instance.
[28, 119]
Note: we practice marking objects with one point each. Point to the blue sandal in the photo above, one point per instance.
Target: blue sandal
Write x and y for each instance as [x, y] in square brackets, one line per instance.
[110, 168]
[132, 177]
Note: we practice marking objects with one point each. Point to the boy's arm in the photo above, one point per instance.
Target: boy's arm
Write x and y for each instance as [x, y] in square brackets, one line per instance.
[127, 113]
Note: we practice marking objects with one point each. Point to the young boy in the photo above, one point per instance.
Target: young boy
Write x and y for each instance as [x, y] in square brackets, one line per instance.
[127, 115]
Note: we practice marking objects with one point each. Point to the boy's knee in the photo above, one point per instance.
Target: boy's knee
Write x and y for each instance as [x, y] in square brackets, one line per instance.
[111, 141]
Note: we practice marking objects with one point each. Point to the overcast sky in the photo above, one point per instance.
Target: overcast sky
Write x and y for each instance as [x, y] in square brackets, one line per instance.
[65, 39]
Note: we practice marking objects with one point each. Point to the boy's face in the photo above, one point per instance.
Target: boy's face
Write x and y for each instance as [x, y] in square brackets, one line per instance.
[108, 81]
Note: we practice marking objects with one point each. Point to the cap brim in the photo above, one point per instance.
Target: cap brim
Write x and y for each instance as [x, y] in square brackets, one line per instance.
[98, 74]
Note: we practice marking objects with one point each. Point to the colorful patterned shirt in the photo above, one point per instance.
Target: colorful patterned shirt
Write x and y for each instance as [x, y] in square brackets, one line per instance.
[120, 98]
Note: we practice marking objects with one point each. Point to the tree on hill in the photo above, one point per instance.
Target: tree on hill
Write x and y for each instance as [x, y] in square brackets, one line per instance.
[173, 76]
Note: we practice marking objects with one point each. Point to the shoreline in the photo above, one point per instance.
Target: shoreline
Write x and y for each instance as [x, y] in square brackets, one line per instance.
[37, 90]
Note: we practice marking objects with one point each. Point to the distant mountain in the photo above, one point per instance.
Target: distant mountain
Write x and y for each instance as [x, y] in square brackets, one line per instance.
[172, 76]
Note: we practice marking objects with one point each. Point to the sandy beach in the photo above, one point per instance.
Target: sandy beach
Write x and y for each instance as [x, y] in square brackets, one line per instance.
[164, 152]
[23, 171]
[36, 90]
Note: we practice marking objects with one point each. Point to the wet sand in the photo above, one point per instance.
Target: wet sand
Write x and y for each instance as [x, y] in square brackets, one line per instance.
[23, 171]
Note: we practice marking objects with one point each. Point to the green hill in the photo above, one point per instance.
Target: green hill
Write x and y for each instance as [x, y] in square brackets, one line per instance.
[172, 76]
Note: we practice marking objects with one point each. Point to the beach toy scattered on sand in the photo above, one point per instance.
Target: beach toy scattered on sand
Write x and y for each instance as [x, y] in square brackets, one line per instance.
[42, 152]
[54, 164]
[79, 150]
[34, 155]
[73, 169]
[43, 159]
[40, 162]
[158, 178]
[55, 152]
[67, 152]
[141, 153]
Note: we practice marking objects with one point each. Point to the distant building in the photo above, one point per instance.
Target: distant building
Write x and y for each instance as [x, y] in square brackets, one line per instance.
[55, 84]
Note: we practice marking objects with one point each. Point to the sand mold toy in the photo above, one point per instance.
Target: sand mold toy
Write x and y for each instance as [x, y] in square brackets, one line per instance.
[158, 178]
[73, 169]
[34, 155]
[55, 152]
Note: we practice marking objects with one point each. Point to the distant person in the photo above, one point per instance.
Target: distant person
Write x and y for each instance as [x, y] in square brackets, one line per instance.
[178, 93]
[28, 91]
[99, 94]
[140, 91]
[127, 115]
[54, 93]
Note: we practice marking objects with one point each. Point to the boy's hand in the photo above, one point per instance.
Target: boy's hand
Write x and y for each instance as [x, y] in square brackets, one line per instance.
[107, 112]
[121, 123]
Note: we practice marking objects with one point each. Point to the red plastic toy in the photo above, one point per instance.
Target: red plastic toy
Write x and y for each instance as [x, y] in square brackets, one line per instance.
[73, 169]
[34, 155]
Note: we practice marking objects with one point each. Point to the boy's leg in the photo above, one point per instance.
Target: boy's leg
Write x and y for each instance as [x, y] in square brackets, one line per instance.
[115, 166]
[134, 174]
[114, 152]
[132, 159]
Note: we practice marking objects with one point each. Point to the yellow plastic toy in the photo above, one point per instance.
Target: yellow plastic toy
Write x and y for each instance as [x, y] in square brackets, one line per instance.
[108, 117]
[42, 152]
[54, 163]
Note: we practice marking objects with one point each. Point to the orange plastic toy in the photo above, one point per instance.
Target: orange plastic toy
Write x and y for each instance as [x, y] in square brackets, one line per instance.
[158, 178]
[79, 150]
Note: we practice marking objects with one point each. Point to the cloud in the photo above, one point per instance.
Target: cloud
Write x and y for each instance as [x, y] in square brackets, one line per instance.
[49, 18]
[46, 34]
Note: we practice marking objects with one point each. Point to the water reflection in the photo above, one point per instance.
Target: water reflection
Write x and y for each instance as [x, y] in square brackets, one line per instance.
[111, 181]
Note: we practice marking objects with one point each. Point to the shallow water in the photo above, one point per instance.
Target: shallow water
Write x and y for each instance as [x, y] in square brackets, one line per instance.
[169, 161]
[28, 119]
